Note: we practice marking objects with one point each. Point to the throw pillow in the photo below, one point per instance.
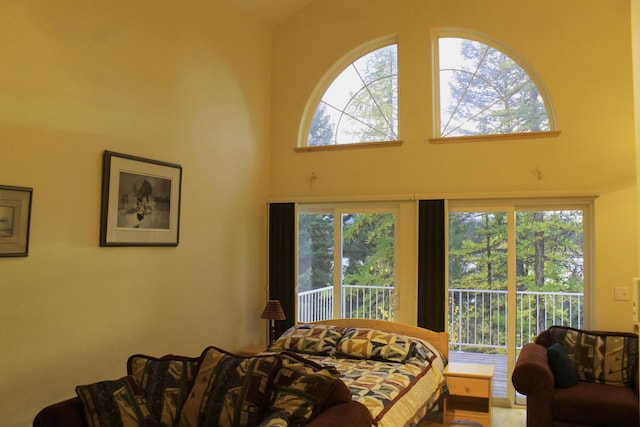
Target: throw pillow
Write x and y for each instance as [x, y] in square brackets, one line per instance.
[115, 403]
[229, 390]
[601, 357]
[301, 387]
[165, 383]
[311, 339]
[367, 343]
[564, 371]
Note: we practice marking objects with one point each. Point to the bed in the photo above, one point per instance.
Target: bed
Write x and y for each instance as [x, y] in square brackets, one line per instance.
[394, 369]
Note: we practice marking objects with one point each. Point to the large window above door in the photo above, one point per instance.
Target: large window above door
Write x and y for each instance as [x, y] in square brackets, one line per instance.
[485, 89]
[361, 104]
[482, 89]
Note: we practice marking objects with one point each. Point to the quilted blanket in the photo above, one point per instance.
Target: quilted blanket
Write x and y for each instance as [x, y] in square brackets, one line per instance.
[396, 394]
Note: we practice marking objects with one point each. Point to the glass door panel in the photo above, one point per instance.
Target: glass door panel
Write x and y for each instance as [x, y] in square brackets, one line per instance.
[363, 245]
[478, 282]
[512, 274]
[549, 273]
[315, 266]
[367, 282]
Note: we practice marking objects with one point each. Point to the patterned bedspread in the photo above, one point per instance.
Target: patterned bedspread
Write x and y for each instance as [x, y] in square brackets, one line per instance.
[397, 377]
[385, 388]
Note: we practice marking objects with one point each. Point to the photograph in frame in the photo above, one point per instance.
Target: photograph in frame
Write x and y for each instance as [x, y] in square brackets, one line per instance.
[15, 219]
[140, 201]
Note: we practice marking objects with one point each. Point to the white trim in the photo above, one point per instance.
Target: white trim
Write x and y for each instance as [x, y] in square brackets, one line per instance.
[404, 197]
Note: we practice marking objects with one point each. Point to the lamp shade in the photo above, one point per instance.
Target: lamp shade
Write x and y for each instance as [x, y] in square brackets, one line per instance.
[273, 311]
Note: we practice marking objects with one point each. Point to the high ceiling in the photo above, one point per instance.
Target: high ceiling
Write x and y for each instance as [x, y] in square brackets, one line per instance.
[272, 12]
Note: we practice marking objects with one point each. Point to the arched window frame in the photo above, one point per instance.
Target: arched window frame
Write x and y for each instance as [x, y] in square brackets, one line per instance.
[326, 81]
[437, 34]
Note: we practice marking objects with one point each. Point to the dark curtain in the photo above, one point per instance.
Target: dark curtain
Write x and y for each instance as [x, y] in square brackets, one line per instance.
[431, 264]
[282, 257]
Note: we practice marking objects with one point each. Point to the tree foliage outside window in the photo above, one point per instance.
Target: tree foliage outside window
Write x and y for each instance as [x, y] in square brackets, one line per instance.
[485, 92]
[366, 253]
[549, 257]
[315, 251]
[368, 249]
[361, 104]
[549, 250]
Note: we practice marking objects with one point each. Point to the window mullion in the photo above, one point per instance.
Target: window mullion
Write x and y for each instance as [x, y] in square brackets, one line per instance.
[337, 265]
[511, 298]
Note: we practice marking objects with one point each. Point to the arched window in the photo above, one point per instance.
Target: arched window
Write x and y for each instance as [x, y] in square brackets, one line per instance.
[485, 91]
[361, 104]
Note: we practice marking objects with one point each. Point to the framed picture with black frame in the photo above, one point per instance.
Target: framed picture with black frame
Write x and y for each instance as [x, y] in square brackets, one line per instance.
[15, 219]
[140, 201]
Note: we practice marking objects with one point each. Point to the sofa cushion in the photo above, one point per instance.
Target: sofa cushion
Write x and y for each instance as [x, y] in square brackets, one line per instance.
[374, 344]
[601, 357]
[301, 388]
[596, 404]
[310, 339]
[165, 383]
[565, 373]
[115, 403]
[229, 390]
[340, 393]
[276, 419]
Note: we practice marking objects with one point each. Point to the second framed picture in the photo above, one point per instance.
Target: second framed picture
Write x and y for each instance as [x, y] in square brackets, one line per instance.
[15, 217]
[140, 201]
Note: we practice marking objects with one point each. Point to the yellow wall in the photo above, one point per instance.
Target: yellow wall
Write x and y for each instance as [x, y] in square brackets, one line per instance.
[580, 49]
[635, 29]
[187, 84]
[193, 85]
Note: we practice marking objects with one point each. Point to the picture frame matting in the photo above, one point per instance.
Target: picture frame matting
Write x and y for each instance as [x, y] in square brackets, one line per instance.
[140, 201]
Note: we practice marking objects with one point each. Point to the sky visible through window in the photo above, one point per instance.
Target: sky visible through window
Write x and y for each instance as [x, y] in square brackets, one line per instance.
[361, 103]
[483, 91]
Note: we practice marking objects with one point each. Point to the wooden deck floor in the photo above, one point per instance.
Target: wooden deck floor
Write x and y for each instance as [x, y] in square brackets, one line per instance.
[499, 384]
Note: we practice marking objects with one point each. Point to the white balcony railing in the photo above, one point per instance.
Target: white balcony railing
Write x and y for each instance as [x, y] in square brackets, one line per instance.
[315, 305]
[370, 302]
[477, 318]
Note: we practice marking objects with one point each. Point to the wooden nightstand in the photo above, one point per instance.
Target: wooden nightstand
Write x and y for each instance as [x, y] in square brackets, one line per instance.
[251, 350]
[469, 393]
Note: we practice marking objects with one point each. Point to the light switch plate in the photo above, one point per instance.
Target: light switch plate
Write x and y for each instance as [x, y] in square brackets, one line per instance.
[621, 293]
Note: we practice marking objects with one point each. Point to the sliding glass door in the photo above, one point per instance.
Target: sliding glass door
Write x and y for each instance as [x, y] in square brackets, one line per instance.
[514, 270]
[346, 262]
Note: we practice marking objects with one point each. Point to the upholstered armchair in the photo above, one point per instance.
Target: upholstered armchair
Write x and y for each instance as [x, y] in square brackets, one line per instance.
[573, 377]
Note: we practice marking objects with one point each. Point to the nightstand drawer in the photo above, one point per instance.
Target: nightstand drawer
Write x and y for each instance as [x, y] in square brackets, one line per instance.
[472, 387]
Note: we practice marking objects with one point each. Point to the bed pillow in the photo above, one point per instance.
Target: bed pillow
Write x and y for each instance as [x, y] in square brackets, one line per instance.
[564, 371]
[115, 403]
[229, 390]
[373, 344]
[310, 339]
[301, 387]
[425, 352]
[165, 383]
[600, 357]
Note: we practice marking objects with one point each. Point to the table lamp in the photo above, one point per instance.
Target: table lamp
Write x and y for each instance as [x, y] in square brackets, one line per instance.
[272, 311]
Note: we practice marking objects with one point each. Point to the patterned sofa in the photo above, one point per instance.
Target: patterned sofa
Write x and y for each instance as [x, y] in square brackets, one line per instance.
[216, 389]
[573, 377]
